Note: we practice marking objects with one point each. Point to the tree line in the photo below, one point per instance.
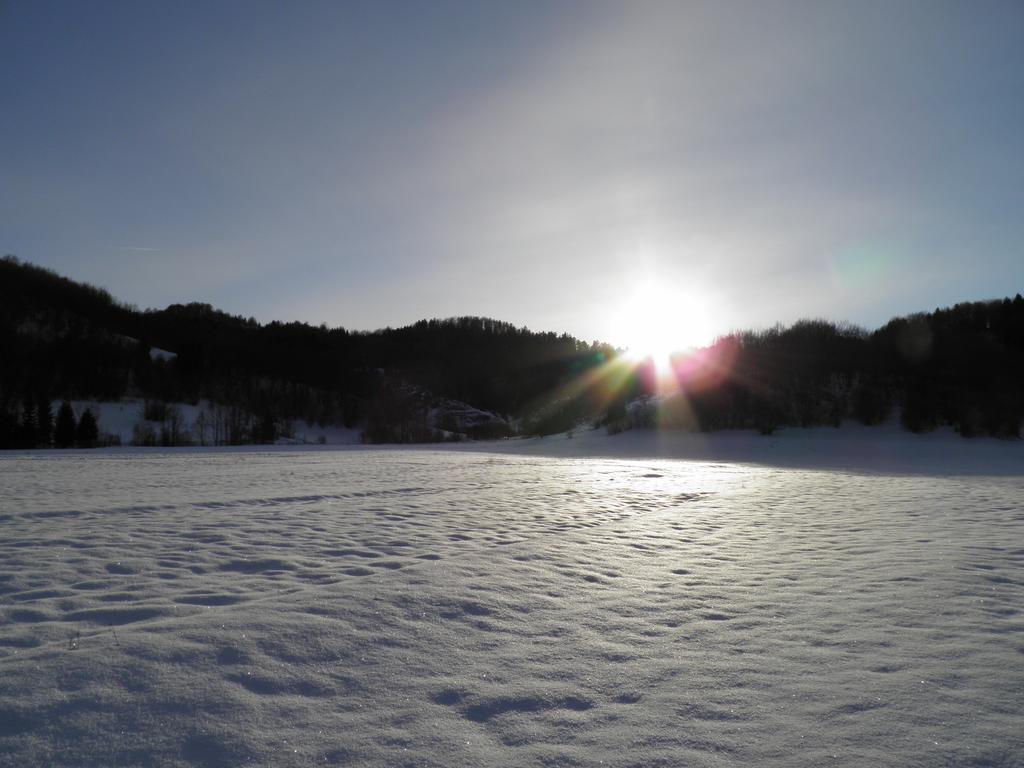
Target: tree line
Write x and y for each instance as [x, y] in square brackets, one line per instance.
[961, 366]
[33, 425]
[61, 337]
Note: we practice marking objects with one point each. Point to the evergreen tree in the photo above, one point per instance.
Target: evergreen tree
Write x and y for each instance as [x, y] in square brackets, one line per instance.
[88, 432]
[44, 422]
[8, 428]
[27, 430]
[64, 430]
[266, 431]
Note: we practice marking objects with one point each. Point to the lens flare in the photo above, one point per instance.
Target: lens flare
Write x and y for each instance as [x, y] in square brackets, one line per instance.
[656, 322]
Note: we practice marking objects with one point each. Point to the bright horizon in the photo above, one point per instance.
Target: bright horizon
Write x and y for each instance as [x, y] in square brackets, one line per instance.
[647, 174]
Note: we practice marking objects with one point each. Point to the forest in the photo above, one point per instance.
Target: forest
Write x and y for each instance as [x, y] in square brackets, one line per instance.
[62, 340]
[961, 367]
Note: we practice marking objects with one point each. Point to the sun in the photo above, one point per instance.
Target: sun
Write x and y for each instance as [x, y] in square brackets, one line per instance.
[656, 321]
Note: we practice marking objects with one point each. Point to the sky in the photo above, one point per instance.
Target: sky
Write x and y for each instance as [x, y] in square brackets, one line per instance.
[606, 169]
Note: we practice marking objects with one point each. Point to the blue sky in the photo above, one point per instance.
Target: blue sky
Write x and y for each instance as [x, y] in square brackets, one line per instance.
[562, 165]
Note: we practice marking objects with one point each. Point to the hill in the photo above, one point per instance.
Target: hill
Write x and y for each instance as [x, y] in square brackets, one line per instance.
[477, 377]
[64, 339]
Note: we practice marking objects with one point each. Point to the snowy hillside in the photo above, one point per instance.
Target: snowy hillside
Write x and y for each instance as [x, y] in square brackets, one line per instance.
[122, 420]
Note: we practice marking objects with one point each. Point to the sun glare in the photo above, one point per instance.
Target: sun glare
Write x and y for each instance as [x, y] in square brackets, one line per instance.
[657, 321]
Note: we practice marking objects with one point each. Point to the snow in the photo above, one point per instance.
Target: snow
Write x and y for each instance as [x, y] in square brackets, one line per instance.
[155, 353]
[327, 434]
[792, 600]
[114, 418]
[119, 418]
[885, 449]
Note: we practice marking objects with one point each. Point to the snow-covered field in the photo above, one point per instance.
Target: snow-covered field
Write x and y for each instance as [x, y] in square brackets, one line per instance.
[377, 607]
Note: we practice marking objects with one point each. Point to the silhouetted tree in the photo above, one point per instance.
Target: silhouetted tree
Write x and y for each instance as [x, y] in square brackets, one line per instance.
[44, 422]
[202, 427]
[87, 432]
[172, 431]
[28, 428]
[8, 428]
[870, 403]
[65, 428]
[266, 428]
